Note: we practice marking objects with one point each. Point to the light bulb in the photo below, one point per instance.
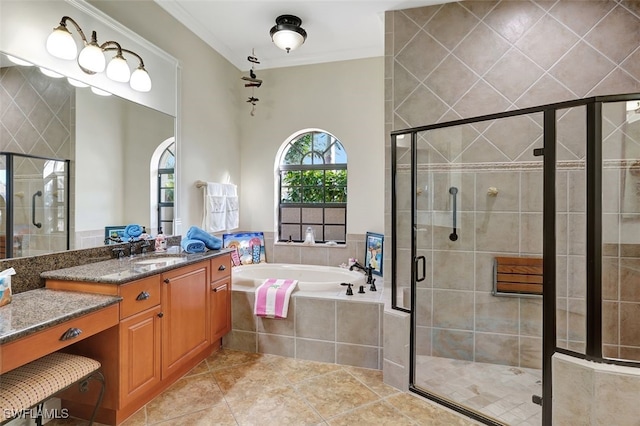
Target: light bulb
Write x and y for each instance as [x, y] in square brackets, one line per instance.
[60, 44]
[140, 80]
[100, 92]
[118, 70]
[76, 83]
[18, 61]
[91, 58]
[50, 73]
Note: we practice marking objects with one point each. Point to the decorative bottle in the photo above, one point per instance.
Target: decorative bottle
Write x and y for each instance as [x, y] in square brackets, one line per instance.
[161, 241]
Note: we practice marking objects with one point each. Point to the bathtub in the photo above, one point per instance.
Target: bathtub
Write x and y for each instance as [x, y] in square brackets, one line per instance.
[311, 278]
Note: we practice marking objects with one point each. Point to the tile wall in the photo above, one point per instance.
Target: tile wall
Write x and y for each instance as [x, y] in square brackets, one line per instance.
[36, 118]
[466, 59]
[327, 330]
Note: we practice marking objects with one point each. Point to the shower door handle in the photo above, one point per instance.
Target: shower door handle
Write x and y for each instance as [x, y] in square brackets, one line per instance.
[424, 268]
[33, 209]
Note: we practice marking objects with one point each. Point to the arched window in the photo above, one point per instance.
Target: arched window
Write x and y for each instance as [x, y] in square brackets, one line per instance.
[313, 188]
[166, 189]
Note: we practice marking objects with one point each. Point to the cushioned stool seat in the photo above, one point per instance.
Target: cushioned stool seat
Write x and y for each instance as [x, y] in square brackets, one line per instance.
[37, 381]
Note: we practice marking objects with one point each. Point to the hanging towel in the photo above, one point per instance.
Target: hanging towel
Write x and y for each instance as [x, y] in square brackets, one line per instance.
[272, 298]
[210, 241]
[192, 246]
[221, 207]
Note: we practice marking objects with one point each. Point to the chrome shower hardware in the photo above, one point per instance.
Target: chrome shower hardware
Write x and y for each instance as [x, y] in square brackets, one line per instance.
[454, 191]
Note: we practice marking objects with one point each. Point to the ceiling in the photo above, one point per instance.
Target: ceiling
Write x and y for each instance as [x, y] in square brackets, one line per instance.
[336, 29]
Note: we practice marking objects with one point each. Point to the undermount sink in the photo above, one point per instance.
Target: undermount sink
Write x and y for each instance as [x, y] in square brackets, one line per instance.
[146, 265]
[160, 259]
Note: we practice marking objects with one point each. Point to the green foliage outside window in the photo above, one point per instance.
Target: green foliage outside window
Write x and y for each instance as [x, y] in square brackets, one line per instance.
[314, 186]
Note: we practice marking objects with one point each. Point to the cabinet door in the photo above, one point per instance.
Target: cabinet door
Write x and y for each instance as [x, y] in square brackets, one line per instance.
[139, 354]
[220, 308]
[185, 325]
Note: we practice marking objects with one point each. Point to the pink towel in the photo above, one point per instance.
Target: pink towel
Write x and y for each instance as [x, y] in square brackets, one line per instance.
[272, 298]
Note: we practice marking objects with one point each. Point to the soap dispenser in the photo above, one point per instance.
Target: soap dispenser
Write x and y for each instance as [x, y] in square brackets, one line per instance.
[309, 237]
[161, 241]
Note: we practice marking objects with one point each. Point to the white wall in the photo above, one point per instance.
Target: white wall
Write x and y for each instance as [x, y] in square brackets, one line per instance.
[345, 99]
[115, 140]
[98, 193]
[208, 134]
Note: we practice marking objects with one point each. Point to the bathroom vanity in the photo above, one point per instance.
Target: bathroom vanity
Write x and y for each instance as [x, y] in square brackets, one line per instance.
[173, 312]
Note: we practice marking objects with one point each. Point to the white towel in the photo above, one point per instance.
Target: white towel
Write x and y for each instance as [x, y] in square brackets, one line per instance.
[221, 207]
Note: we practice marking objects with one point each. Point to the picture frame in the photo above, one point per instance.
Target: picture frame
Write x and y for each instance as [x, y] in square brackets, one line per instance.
[249, 247]
[373, 254]
[114, 232]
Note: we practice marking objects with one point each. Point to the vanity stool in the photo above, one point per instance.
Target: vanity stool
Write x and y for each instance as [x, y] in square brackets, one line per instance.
[30, 385]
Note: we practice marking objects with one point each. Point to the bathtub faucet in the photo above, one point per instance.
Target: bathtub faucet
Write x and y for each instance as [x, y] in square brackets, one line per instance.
[368, 270]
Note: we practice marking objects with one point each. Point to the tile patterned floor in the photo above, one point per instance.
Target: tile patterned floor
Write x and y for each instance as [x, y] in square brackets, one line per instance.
[239, 388]
[499, 391]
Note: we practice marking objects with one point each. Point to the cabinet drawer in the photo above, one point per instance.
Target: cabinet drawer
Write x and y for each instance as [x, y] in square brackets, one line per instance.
[139, 296]
[220, 267]
[27, 349]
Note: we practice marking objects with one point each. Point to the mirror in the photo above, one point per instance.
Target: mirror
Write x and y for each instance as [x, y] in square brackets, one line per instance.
[115, 147]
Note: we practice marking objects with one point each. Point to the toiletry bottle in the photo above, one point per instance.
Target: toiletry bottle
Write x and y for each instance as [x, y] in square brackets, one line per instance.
[161, 241]
[144, 235]
[309, 237]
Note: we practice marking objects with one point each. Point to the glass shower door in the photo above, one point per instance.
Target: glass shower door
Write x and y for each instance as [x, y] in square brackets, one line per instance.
[36, 213]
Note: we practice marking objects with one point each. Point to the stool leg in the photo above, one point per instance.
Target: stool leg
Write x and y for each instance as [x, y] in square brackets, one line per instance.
[39, 408]
[84, 386]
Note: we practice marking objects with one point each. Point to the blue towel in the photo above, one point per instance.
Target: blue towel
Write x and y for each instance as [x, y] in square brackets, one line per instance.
[133, 231]
[192, 246]
[211, 241]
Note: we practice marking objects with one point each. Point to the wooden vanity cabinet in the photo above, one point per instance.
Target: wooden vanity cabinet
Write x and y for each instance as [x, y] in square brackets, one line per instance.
[168, 324]
[185, 329]
[220, 297]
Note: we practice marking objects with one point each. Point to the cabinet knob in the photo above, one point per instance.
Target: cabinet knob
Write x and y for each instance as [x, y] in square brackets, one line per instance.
[160, 314]
[71, 333]
[166, 280]
[221, 268]
[143, 296]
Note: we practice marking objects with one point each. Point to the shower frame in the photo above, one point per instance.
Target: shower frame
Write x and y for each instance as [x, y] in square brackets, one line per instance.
[10, 171]
[593, 252]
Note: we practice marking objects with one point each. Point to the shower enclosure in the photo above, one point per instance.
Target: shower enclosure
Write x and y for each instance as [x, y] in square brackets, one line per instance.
[517, 235]
[34, 205]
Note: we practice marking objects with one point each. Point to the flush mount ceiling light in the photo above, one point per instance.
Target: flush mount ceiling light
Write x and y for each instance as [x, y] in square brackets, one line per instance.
[287, 34]
[91, 59]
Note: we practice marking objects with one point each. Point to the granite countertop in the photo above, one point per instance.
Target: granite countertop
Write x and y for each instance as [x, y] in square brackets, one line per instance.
[35, 310]
[120, 271]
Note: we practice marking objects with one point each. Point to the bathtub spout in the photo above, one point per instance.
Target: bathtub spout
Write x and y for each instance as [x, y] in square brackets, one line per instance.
[368, 271]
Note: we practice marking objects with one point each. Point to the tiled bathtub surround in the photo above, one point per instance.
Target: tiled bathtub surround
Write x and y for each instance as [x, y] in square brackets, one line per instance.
[317, 254]
[319, 329]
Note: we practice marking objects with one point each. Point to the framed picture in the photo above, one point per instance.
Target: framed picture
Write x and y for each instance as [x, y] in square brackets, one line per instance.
[373, 252]
[249, 246]
[114, 234]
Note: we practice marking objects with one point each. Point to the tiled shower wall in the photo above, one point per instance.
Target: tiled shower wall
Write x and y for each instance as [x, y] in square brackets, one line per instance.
[36, 118]
[465, 59]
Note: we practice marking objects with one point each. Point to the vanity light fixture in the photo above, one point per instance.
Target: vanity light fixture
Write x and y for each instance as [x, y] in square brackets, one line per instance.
[100, 92]
[19, 61]
[91, 59]
[76, 83]
[50, 73]
[287, 34]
